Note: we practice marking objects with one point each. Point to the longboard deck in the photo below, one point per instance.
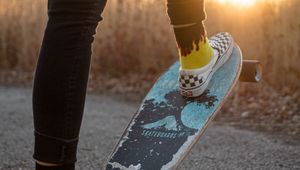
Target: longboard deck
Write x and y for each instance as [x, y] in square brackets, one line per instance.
[167, 125]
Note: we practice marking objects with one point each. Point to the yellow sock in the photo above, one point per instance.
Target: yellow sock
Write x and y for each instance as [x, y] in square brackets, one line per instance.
[197, 59]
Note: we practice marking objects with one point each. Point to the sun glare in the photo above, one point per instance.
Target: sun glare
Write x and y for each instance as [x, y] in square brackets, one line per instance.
[241, 3]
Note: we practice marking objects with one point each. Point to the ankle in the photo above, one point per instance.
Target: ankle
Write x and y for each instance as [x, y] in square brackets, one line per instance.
[200, 56]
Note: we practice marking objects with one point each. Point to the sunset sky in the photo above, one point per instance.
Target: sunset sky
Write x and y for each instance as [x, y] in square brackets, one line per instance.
[244, 3]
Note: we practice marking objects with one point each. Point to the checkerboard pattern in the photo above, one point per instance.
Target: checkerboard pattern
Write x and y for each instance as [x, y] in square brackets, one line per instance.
[221, 42]
[190, 81]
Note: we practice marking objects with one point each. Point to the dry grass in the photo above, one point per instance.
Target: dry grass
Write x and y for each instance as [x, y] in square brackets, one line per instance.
[135, 37]
[20, 33]
[270, 33]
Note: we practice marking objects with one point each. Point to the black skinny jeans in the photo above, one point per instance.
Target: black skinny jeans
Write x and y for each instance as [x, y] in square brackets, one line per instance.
[62, 73]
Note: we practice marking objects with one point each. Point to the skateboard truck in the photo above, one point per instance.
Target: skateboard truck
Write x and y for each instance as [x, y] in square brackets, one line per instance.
[251, 71]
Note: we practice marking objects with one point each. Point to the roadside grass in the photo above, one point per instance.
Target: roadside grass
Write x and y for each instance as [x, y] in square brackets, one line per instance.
[135, 44]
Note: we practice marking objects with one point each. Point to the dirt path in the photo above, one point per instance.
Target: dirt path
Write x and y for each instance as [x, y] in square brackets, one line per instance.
[222, 147]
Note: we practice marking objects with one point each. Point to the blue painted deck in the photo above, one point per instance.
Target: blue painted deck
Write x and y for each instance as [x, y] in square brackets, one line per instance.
[166, 124]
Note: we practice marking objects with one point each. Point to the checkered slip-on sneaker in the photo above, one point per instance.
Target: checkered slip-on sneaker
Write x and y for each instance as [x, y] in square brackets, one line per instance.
[193, 83]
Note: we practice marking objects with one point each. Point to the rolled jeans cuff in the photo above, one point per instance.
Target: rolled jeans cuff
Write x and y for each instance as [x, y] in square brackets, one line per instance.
[54, 150]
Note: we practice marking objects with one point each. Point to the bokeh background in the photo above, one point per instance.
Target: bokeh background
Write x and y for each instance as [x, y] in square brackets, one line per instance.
[135, 44]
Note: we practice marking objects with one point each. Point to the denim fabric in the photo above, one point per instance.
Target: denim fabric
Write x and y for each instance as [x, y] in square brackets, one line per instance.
[61, 78]
[183, 12]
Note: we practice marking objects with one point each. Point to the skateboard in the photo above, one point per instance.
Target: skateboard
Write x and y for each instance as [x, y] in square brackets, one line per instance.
[167, 125]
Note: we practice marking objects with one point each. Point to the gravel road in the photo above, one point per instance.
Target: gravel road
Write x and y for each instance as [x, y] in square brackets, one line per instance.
[222, 147]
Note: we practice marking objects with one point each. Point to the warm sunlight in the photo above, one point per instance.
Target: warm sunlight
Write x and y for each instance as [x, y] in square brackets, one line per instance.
[242, 3]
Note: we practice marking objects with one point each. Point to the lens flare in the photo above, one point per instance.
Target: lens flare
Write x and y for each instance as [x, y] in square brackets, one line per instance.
[242, 3]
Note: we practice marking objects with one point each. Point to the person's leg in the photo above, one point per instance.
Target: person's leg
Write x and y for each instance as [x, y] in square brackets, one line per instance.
[199, 58]
[187, 18]
[61, 78]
